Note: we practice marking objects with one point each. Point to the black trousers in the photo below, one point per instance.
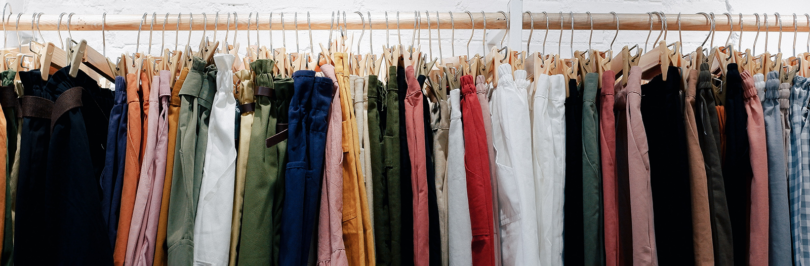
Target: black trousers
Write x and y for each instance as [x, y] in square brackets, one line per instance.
[737, 171]
[59, 219]
[573, 235]
[405, 173]
[662, 113]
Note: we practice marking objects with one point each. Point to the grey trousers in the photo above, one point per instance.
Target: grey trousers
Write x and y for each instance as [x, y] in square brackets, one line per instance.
[779, 249]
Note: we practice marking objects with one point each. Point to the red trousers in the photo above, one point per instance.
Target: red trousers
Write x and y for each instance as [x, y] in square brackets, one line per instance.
[476, 162]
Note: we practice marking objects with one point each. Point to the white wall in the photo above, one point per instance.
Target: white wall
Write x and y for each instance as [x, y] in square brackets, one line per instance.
[118, 42]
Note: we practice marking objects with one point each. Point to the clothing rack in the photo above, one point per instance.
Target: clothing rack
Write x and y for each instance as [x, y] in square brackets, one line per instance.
[407, 21]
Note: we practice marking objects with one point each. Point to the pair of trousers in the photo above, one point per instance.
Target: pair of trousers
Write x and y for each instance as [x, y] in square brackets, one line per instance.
[800, 160]
[260, 237]
[406, 192]
[384, 133]
[573, 223]
[433, 207]
[510, 134]
[556, 115]
[482, 88]
[701, 218]
[113, 173]
[359, 87]
[638, 171]
[146, 178]
[440, 124]
[779, 248]
[173, 114]
[141, 242]
[247, 107]
[625, 234]
[709, 127]
[759, 208]
[331, 250]
[132, 168]
[11, 110]
[737, 170]
[211, 228]
[308, 114]
[610, 186]
[591, 177]
[195, 103]
[62, 156]
[357, 232]
[476, 159]
[459, 236]
[663, 119]
[415, 127]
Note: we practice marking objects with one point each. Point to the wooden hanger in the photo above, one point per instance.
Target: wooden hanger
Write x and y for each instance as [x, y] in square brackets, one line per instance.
[655, 62]
[86, 55]
[438, 87]
[625, 61]
[452, 76]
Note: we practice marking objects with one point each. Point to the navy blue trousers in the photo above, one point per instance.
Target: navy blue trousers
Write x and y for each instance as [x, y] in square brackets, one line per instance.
[113, 173]
[306, 145]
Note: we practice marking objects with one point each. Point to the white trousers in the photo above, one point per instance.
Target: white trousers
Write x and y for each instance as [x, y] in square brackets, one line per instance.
[212, 227]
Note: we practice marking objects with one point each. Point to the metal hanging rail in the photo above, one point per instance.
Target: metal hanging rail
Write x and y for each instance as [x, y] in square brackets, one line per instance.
[460, 20]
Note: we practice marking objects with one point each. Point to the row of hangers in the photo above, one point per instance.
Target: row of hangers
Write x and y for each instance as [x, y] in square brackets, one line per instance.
[441, 71]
